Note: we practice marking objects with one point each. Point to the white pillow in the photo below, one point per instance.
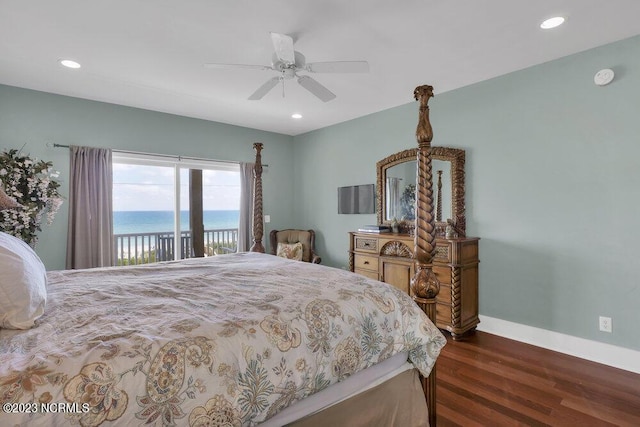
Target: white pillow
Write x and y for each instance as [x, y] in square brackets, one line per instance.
[23, 284]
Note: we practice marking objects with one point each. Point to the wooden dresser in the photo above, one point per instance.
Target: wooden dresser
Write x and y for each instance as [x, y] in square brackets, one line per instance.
[388, 257]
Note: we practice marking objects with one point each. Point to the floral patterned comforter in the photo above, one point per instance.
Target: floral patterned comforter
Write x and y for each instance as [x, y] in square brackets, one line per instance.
[227, 340]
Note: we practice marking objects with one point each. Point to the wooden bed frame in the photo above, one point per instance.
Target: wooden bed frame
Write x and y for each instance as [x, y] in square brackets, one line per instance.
[424, 284]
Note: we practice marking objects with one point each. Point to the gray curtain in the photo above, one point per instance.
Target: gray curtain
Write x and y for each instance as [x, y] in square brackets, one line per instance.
[90, 235]
[245, 231]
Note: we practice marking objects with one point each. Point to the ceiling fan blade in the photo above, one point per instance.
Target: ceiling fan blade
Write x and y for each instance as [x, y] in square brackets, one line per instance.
[239, 66]
[283, 45]
[338, 67]
[264, 89]
[316, 88]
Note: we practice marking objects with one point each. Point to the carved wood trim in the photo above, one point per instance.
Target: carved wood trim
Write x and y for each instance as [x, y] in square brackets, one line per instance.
[258, 229]
[442, 252]
[424, 284]
[396, 248]
[439, 199]
[456, 295]
[457, 158]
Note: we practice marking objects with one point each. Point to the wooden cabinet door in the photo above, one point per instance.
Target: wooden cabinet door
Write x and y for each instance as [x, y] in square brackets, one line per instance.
[397, 273]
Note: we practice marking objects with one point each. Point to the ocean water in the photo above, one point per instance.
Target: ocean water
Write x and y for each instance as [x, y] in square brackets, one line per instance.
[129, 222]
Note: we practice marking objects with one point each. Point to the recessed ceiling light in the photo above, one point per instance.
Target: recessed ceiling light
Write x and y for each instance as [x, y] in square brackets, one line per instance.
[69, 63]
[296, 115]
[552, 22]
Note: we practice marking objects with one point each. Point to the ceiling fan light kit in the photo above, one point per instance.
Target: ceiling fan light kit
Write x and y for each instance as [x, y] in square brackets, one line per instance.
[287, 62]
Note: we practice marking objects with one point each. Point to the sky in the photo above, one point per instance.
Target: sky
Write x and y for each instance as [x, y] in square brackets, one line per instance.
[151, 188]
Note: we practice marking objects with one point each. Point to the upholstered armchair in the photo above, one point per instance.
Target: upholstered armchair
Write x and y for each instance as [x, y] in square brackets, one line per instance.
[294, 244]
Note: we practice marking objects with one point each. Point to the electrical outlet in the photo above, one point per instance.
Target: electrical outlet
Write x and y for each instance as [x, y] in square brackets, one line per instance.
[605, 324]
[267, 218]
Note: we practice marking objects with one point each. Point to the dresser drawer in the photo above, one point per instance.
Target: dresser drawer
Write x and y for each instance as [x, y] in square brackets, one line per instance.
[367, 273]
[366, 244]
[443, 315]
[443, 274]
[366, 262]
[444, 296]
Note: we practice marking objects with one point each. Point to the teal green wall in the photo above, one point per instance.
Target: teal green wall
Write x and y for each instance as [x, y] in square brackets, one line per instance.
[553, 183]
[35, 118]
[553, 187]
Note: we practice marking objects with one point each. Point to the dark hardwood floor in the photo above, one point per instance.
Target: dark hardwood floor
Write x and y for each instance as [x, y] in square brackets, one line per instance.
[487, 380]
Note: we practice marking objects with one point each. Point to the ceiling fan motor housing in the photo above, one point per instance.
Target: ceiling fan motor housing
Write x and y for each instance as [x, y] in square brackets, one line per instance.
[288, 70]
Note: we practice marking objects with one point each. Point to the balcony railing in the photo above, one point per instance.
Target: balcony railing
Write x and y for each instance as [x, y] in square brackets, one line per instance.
[145, 248]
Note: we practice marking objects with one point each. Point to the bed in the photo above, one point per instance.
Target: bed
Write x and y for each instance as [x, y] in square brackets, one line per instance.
[231, 340]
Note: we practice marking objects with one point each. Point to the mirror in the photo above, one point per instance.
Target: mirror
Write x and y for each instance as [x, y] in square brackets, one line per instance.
[396, 175]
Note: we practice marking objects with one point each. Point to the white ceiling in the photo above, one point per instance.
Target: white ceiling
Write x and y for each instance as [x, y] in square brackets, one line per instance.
[150, 53]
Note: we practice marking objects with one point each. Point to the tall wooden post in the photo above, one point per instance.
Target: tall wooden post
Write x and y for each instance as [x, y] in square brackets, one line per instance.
[258, 230]
[424, 284]
[196, 220]
[439, 199]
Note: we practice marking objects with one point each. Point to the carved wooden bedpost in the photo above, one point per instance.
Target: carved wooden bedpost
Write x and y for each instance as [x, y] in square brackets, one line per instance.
[439, 200]
[257, 202]
[424, 284]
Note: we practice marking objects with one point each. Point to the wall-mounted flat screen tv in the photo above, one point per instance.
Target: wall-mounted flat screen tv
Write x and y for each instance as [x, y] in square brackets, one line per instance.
[356, 199]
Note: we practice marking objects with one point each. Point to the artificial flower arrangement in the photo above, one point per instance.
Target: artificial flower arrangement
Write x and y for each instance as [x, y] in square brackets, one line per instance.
[32, 184]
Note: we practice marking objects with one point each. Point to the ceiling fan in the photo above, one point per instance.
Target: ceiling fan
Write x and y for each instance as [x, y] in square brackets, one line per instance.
[288, 62]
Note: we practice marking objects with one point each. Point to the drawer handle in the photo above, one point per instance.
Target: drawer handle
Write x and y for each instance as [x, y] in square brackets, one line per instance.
[367, 244]
[366, 262]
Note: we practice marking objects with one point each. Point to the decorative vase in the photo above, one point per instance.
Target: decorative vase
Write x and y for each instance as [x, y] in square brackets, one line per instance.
[449, 233]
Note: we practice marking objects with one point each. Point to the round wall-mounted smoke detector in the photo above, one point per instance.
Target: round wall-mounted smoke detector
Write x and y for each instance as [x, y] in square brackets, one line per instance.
[603, 77]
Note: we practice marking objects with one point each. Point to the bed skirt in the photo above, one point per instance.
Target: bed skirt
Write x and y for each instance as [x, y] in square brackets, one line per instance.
[398, 401]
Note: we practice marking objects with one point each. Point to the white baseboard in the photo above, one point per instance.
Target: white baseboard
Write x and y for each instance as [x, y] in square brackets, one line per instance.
[607, 354]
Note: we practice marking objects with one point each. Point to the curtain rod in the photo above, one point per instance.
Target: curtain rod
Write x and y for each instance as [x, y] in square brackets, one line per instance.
[179, 158]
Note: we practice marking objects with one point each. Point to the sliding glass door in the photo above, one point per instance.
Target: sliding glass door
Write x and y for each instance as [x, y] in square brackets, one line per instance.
[168, 209]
